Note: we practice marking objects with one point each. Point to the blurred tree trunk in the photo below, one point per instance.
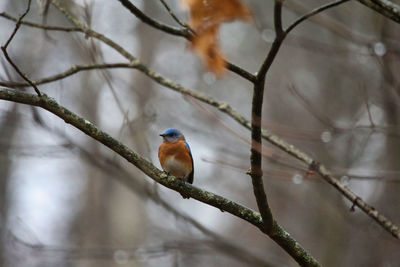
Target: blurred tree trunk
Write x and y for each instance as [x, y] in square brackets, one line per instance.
[8, 129]
[389, 200]
[142, 87]
[92, 223]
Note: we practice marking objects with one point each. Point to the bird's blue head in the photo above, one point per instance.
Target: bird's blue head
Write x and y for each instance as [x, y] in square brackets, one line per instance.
[171, 135]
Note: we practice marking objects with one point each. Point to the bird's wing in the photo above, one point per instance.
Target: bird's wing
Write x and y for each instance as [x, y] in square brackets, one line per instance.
[191, 175]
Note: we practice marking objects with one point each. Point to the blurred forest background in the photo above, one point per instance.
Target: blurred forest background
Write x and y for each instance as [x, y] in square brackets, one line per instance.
[333, 91]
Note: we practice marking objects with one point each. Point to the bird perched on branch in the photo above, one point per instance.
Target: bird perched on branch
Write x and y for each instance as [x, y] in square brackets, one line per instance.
[175, 156]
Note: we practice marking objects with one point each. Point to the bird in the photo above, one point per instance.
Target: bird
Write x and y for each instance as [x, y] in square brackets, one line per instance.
[175, 156]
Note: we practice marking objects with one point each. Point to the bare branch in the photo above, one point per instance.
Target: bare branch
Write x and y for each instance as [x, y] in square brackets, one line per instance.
[256, 156]
[158, 25]
[322, 118]
[17, 25]
[279, 37]
[330, 24]
[41, 26]
[313, 13]
[4, 49]
[175, 17]
[367, 105]
[256, 172]
[384, 7]
[94, 34]
[278, 17]
[71, 71]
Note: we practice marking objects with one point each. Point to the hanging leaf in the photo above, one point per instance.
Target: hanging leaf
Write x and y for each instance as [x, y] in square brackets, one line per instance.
[205, 18]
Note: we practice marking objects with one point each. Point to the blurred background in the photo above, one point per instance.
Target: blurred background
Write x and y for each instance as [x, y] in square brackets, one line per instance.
[333, 91]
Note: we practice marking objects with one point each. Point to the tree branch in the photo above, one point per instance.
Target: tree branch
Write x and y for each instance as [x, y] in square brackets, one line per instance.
[278, 17]
[330, 24]
[94, 34]
[256, 118]
[158, 25]
[4, 49]
[41, 26]
[279, 37]
[71, 71]
[256, 156]
[313, 13]
[276, 233]
[385, 7]
[176, 18]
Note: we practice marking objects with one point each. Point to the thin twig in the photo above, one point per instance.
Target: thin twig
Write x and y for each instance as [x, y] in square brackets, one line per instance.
[72, 70]
[322, 118]
[367, 105]
[385, 7]
[184, 25]
[256, 119]
[4, 49]
[256, 156]
[256, 139]
[94, 34]
[278, 17]
[150, 21]
[313, 13]
[17, 25]
[279, 37]
[41, 26]
[330, 24]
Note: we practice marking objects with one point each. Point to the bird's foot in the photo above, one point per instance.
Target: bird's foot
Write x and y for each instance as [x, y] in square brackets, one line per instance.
[182, 184]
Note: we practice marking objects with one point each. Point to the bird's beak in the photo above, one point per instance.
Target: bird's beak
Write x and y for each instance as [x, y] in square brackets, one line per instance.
[162, 135]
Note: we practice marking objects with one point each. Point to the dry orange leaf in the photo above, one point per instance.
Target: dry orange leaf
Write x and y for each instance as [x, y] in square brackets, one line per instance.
[205, 18]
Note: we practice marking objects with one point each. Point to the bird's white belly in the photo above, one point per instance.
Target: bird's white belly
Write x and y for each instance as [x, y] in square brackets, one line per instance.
[176, 168]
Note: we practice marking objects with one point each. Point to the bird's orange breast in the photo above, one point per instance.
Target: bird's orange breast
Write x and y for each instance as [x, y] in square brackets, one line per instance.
[175, 158]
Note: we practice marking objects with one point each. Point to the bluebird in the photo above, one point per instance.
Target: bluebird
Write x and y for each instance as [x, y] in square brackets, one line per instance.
[175, 155]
